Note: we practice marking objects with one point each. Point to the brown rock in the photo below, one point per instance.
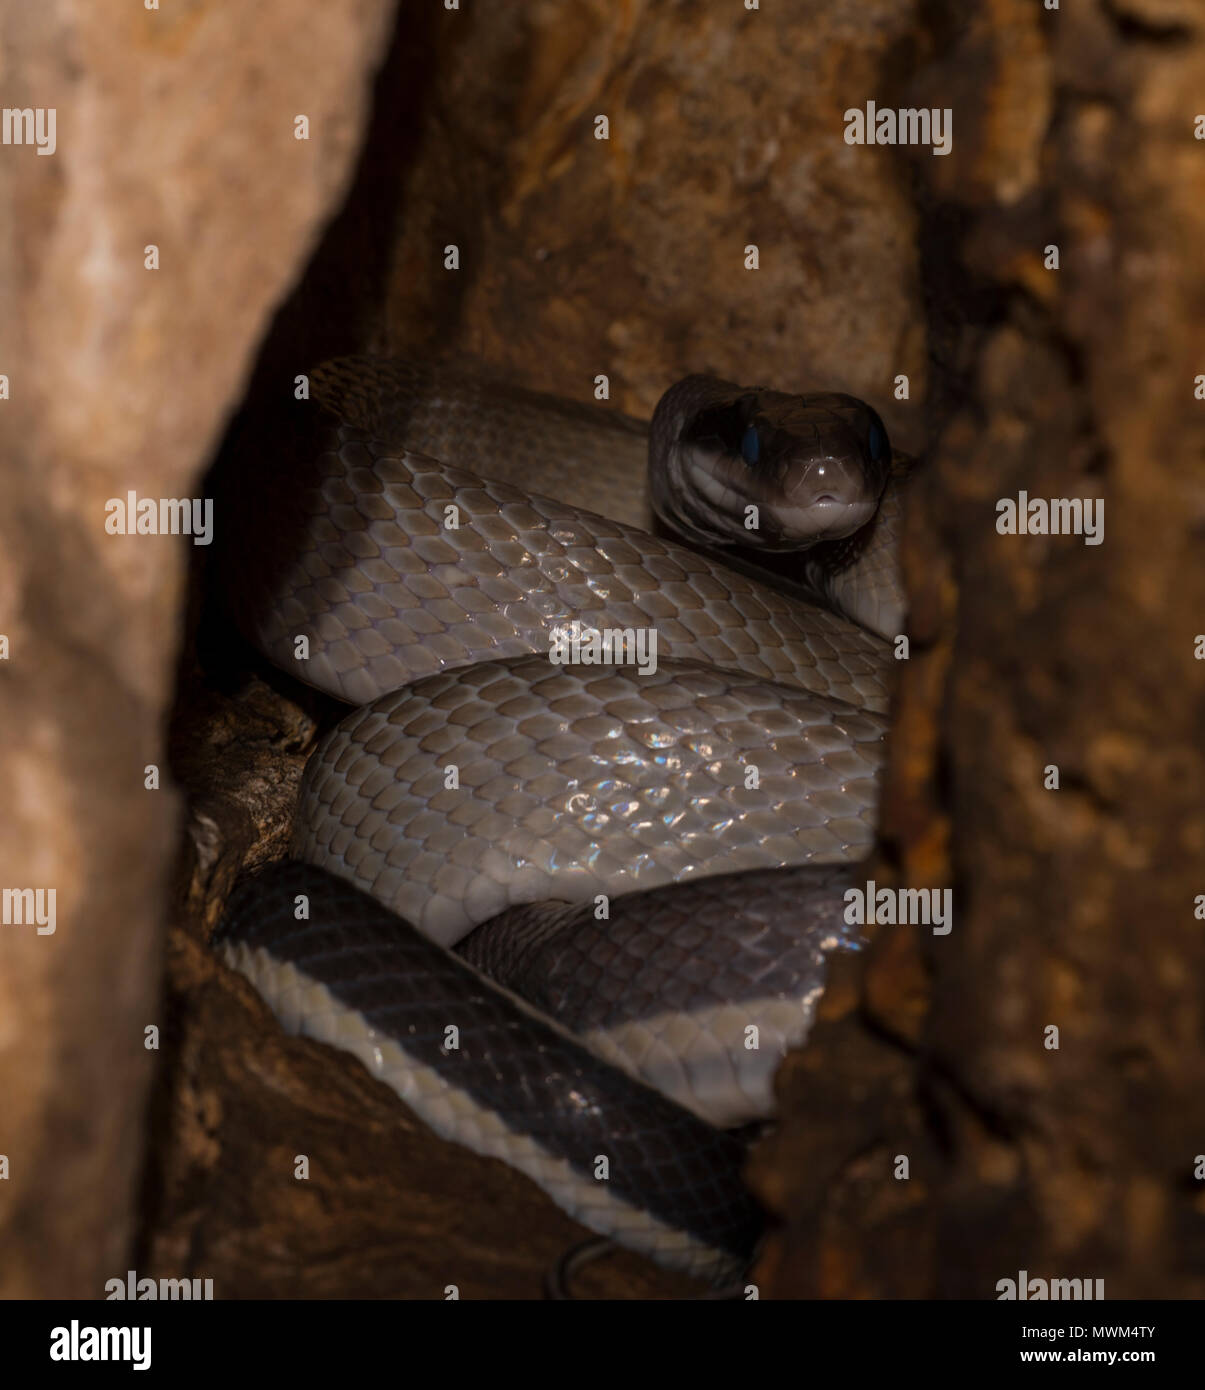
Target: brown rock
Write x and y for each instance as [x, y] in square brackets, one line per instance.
[174, 128]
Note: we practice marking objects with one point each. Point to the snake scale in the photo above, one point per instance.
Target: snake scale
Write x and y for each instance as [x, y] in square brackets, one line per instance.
[573, 912]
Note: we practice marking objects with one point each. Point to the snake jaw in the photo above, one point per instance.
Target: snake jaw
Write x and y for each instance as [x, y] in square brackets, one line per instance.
[719, 500]
[795, 528]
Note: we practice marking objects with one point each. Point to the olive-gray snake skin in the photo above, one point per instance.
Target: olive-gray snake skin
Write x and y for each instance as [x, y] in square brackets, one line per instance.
[638, 846]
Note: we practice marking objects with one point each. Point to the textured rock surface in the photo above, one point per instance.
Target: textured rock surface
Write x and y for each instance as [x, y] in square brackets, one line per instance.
[175, 129]
[625, 256]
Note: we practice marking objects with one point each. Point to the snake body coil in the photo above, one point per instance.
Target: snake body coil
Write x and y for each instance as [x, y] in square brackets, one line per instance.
[561, 818]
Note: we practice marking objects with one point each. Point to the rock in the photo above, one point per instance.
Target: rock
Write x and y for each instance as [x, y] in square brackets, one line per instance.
[174, 129]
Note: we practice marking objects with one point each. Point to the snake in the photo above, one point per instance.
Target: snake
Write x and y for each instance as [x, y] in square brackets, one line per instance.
[573, 910]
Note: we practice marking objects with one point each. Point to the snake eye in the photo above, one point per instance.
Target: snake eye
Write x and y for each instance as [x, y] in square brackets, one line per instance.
[876, 440]
[750, 445]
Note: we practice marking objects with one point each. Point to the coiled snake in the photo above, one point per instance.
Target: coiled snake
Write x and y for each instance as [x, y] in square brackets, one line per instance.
[651, 854]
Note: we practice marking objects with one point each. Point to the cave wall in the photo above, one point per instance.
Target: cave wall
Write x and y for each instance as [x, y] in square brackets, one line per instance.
[626, 255]
[173, 128]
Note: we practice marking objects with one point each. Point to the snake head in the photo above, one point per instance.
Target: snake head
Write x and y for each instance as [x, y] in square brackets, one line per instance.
[769, 470]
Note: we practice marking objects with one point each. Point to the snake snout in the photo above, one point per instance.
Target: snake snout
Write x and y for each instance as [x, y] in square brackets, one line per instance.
[821, 499]
[829, 482]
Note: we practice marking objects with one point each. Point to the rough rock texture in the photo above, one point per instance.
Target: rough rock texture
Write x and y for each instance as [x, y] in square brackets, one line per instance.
[625, 256]
[1073, 907]
[173, 128]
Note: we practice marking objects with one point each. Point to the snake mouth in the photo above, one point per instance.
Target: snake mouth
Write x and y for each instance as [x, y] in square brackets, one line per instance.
[817, 500]
[788, 527]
